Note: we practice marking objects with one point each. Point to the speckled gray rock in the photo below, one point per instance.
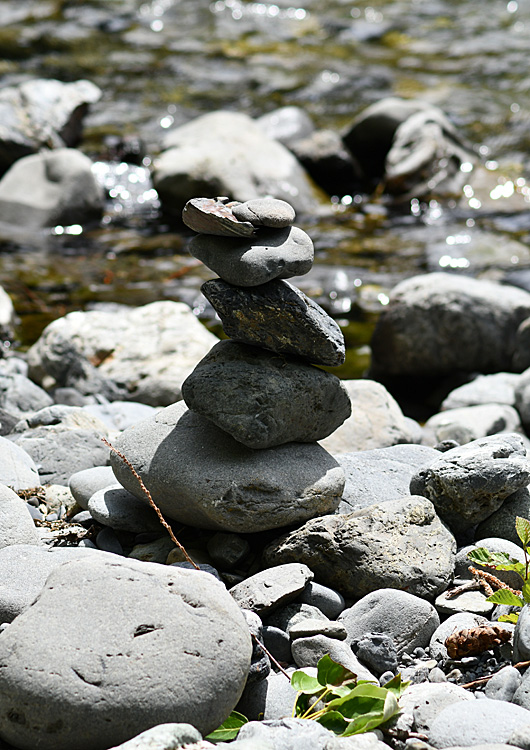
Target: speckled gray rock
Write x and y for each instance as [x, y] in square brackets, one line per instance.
[521, 636]
[17, 468]
[454, 623]
[378, 652]
[497, 388]
[503, 684]
[407, 619]
[269, 589]
[272, 254]
[313, 626]
[382, 474]
[19, 395]
[438, 323]
[328, 601]
[302, 734]
[16, 523]
[400, 544]
[493, 544]
[302, 403]
[520, 737]
[114, 506]
[265, 212]
[468, 483]
[307, 652]
[83, 484]
[139, 636]
[279, 317]
[421, 703]
[467, 601]
[291, 614]
[471, 423]
[199, 475]
[162, 737]
[502, 522]
[376, 420]
[470, 723]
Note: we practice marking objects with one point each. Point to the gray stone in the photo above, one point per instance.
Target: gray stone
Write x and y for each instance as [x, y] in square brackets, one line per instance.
[468, 483]
[227, 550]
[313, 626]
[497, 388]
[454, 623]
[200, 476]
[83, 484]
[265, 591]
[279, 317]
[25, 568]
[146, 352]
[7, 316]
[162, 737]
[493, 544]
[300, 734]
[520, 737]
[323, 156]
[107, 541]
[400, 544]
[50, 188]
[278, 643]
[119, 415]
[439, 323]
[273, 698]
[292, 614]
[227, 153]
[260, 665]
[468, 601]
[476, 722]
[501, 523]
[19, 395]
[381, 474]
[156, 551]
[521, 636]
[286, 124]
[265, 212]
[307, 652]
[407, 619]
[423, 702]
[301, 404]
[249, 262]
[522, 398]
[471, 423]
[503, 684]
[327, 600]
[377, 651]
[138, 636]
[16, 523]
[17, 468]
[114, 506]
[376, 420]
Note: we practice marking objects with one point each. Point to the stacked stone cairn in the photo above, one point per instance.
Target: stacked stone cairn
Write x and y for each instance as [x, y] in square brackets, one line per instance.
[245, 457]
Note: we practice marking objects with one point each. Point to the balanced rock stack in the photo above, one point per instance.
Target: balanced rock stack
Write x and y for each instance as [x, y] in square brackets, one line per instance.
[244, 456]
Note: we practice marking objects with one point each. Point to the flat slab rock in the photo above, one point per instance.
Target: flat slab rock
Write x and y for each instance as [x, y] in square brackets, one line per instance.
[401, 544]
[139, 635]
[199, 475]
[279, 317]
[269, 589]
[263, 399]
[271, 254]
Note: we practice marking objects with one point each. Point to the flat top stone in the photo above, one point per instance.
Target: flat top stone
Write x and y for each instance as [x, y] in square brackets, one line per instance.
[269, 589]
[267, 212]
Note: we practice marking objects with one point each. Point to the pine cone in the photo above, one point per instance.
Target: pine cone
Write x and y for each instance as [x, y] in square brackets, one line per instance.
[475, 640]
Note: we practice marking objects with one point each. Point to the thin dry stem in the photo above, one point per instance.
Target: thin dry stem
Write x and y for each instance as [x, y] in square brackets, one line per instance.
[483, 680]
[152, 503]
[271, 657]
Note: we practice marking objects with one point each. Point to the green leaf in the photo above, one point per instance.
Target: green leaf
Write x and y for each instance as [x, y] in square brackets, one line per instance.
[522, 527]
[301, 704]
[503, 596]
[482, 556]
[511, 617]
[228, 729]
[304, 683]
[526, 591]
[330, 673]
[372, 719]
[334, 721]
[396, 686]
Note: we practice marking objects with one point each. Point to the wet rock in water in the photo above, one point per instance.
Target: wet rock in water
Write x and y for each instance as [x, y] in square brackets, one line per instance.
[467, 484]
[470, 423]
[323, 155]
[139, 636]
[400, 544]
[286, 124]
[16, 523]
[7, 314]
[265, 212]
[17, 468]
[441, 323]
[263, 399]
[42, 113]
[50, 188]
[199, 475]
[146, 352]
[227, 153]
[279, 317]
[269, 589]
[272, 254]
[498, 388]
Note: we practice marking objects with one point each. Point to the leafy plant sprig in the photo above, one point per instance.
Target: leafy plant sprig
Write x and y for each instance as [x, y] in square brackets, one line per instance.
[503, 561]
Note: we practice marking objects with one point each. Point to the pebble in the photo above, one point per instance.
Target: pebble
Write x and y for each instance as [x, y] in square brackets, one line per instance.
[83, 484]
[307, 652]
[272, 588]
[309, 627]
[503, 685]
[116, 507]
[227, 550]
[329, 601]
[107, 541]
[265, 212]
[278, 643]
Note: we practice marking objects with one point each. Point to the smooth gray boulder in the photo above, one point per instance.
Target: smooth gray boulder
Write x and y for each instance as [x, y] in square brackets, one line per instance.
[307, 652]
[145, 352]
[421, 703]
[470, 423]
[272, 588]
[272, 698]
[248, 262]
[292, 614]
[286, 124]
[279, 317]
[497, 388]
[19, 395]
[83, 484]
[501, 523]
[264, 399]
[381, 474]
[139, 635]
[50, 188]
[17, 468]
[265, 212]
[199, 475]
[407, 619]
[227, 153]
[169, 736]
[469, 723]
[503, 684]
[328, 601]
[302, 734]
[16, 523]
[114, 506]
[440, 323]
[400, 544]
[468, 483]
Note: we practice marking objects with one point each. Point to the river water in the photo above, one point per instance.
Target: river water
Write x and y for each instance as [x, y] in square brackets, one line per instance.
[161, 63]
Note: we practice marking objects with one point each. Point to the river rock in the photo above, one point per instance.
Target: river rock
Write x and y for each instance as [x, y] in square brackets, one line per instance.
[382, 474]
[227, 153]
[83, 484]
[471, 423]
[328, 601]
[273, 698]
[286, 124]
[300, 734]
[271, 254]
[522, 398]
[265, 212]
[42, 113]
[119, 415]
[279, 317]
[7, 314]
[439, 323]
[17, 468]
[497, 388]
[139, 637]
[400, 544]
[168, 736]
[470, 482]
[503, 684]
[50, 188]
[376, 420]
[421, 703]
[307, 652]
[199, 475]
[269, 589]
[311, 626]
[292, 614]
[263, 399]
[501, 523]
[469, 723]
[114, 506]
[323, 156]
[145, 351]
[19, 395]
[521, 639]
[16, 523]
